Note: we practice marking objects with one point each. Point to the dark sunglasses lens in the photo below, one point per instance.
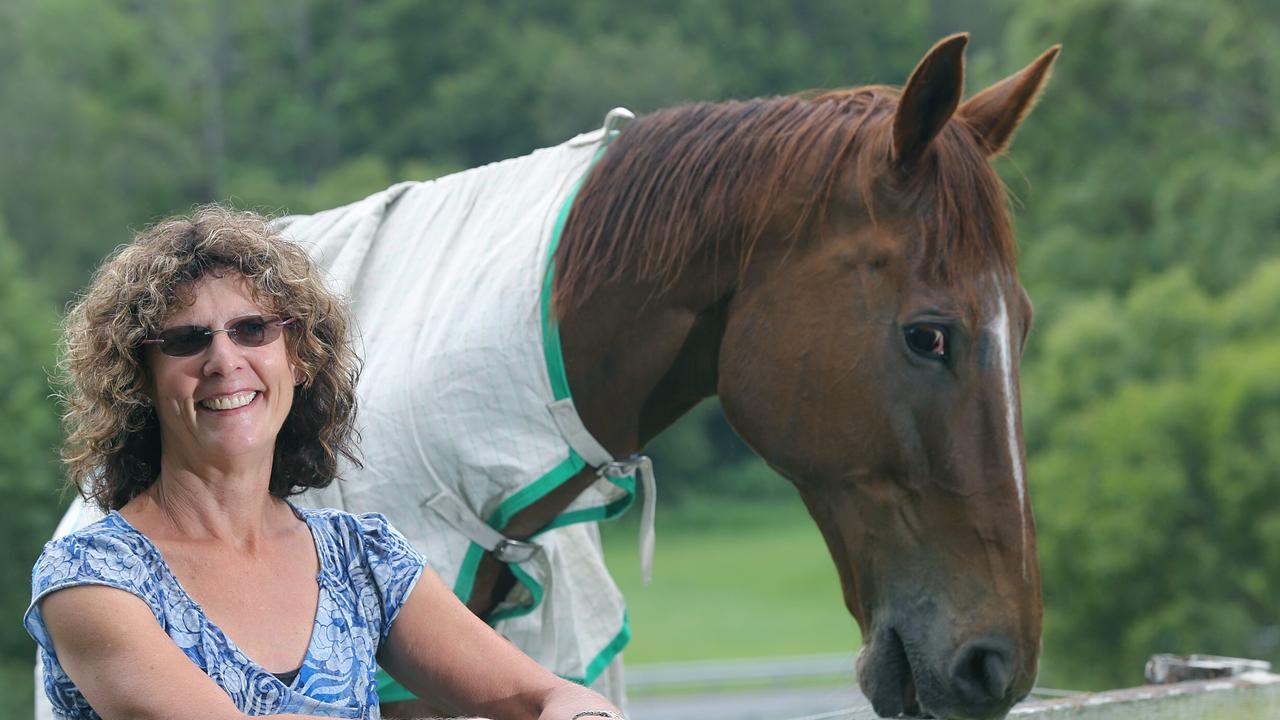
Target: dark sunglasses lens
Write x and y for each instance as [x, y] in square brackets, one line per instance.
[255, 331]
[183, 341]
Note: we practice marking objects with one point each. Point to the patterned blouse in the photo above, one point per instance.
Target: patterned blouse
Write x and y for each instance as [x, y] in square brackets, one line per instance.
[367, 570]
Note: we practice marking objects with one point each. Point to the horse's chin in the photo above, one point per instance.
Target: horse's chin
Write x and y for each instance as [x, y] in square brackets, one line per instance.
[886, 678]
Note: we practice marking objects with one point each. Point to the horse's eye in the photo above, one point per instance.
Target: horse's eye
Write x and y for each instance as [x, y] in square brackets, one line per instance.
[928, 340]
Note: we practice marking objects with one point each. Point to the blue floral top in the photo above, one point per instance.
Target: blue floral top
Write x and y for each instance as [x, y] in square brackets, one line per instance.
[367, 569]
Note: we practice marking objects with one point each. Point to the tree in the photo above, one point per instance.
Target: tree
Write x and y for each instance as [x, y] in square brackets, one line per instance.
[1156, 488]
[1154, 141]
[29, 474]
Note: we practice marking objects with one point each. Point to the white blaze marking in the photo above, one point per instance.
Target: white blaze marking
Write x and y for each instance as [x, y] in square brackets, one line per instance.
[1000, 328]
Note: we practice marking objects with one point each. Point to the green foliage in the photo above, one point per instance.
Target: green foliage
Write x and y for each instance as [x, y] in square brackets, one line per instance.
[1155, 487]
[258, 188]
[1149, 398]
[28, 458]
[570, 97]
[99, 131]
[120, 112]
[1156, 136]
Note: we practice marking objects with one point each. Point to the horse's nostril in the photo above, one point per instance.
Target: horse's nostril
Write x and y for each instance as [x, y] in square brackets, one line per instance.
[981, 672]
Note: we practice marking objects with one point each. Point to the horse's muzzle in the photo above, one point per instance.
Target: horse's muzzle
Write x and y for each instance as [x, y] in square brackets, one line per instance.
[979, 680]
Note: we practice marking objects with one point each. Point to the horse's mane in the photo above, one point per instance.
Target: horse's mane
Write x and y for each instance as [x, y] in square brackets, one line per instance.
[689, 180]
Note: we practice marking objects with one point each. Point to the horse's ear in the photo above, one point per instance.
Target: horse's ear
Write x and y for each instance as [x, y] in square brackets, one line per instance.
[929, 99]
[995, 113]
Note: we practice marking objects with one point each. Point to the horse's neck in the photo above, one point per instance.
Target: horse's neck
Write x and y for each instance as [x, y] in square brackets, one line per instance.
[634, 366]
[637, 361]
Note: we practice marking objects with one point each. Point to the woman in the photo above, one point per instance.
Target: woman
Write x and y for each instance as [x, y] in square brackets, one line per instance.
[208, 378]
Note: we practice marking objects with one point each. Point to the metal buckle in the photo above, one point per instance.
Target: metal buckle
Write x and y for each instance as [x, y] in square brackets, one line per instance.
[514, 551]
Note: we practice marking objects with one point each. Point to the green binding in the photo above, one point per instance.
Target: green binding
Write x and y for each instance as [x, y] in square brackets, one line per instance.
[389, 690]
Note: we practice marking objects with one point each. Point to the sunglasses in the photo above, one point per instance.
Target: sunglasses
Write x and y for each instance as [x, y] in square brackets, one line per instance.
[251, 331]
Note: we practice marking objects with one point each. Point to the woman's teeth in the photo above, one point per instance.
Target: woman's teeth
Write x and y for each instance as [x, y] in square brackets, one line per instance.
[229, 402]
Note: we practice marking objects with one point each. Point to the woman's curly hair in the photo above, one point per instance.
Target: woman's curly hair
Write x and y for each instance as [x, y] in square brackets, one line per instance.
[113, 438]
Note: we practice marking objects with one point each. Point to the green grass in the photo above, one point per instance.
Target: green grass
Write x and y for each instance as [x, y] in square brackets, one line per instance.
[730, 580]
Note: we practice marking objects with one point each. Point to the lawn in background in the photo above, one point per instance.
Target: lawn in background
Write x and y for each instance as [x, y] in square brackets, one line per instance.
[730, 580]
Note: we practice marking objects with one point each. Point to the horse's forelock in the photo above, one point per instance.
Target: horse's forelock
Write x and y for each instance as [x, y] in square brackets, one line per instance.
[966, 226]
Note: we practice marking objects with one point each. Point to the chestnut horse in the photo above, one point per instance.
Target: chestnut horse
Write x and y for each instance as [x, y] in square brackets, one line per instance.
[839, 269]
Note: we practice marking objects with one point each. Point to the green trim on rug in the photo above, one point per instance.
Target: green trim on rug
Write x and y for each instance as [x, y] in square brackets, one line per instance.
[535, 589]
[550, 326]
[600, 512]
[554, 478]
[606, 656]
[573, 464]
[553, 356]
[536, 490]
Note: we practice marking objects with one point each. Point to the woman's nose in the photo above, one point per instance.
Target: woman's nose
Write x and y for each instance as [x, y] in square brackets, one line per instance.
[223, 355]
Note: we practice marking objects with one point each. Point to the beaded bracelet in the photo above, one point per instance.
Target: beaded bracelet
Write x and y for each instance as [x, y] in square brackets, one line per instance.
[598, 713]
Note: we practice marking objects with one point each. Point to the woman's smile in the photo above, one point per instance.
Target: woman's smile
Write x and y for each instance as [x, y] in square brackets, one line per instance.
[228, 403]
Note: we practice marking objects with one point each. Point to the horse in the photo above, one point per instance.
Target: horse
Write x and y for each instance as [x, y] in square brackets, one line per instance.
[839, 268]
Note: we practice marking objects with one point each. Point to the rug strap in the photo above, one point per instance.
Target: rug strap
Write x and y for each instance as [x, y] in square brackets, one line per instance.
[594, 454]
[642, 467]
[453, 511]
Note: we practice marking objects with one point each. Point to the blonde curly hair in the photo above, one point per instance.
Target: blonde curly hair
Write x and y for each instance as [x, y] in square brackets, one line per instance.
[112, 449]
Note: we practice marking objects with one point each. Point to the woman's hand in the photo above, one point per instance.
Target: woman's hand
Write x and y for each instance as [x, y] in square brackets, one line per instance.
[443, 652]
[573, 699]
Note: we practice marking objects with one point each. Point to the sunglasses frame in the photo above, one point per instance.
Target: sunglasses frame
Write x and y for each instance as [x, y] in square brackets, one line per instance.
[206, 333]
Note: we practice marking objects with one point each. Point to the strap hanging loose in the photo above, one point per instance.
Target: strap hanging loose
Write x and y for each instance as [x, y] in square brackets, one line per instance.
[594, 454]
[642, 467]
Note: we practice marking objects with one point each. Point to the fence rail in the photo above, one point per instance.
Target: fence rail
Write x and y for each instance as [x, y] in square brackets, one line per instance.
[1252, 696]
[724, 685]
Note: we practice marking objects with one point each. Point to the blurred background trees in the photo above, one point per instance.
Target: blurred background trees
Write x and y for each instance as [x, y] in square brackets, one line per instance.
[1145, 188]
[29, 474]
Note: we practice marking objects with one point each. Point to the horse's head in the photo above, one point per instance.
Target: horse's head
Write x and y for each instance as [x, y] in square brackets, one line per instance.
[872, 359]
[840, 270]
